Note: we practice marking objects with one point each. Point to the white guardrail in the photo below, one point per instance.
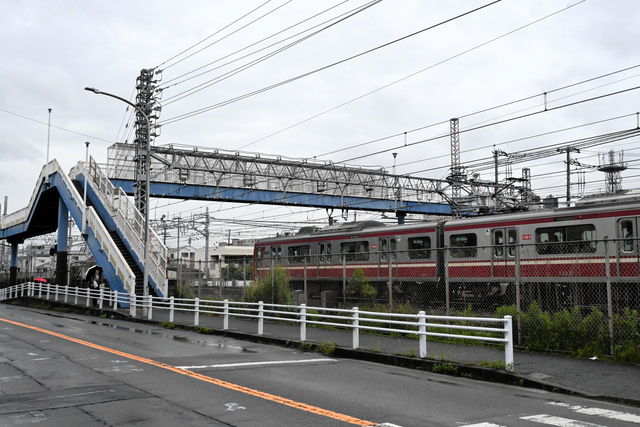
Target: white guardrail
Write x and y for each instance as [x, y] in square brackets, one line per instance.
[416, 324]
[129, 220]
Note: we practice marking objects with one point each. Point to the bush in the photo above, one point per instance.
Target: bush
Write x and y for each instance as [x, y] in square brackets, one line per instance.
[260, 290]
[359, 287]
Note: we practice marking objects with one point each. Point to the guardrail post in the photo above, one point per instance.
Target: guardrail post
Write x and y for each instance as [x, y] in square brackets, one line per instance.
[88, 296]
[260, 318]
[196, 314]
[225, 317]
[23, 286]
[66, 293]
[171, 309]
[100, 298]
[48, 290]
[77, 292]
[356, 329]
[56, 293]
[303, 322]
[40, 290]
[508, 346]
[422, 337]
[115, 300]
[149, 307]
[132, 304]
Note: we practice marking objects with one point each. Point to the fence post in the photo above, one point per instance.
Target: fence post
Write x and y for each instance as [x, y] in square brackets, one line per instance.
[149, 307]
[196, 314]
[609, 296]
[22, 292]
[344, 280]
[260, 318]
[55, 295]
[445, 255]
[273, 282]
[40, 290]
[48, 291]
[88, 296]
[422, 337]
[66, 293]
[518, 280]
[303, 322]
[355, 333]
[305, 279]
[132, 304]
[171, 302]
[115, 300]
[100, 298]
[76, 296]
[225, 317]
[508, 346]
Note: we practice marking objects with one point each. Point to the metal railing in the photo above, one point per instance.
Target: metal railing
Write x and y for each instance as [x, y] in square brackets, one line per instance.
[129, 220]
[354, 319]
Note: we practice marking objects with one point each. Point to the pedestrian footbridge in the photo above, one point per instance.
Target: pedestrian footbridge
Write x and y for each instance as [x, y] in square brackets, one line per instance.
[111, 225]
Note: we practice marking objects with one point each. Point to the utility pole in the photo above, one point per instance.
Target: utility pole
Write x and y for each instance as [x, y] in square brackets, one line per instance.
[568, 150]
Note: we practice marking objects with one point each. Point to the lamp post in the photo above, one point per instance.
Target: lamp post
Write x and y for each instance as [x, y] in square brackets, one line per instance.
[145, 291]
[84, 212]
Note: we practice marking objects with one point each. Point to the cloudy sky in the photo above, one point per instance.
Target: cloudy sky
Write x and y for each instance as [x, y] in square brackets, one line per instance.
[506, 54]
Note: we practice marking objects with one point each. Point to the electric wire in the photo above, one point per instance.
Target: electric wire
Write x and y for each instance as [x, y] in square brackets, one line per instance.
[290, 80]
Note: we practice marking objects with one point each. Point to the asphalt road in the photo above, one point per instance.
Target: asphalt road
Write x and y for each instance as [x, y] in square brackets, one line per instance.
[83, 371]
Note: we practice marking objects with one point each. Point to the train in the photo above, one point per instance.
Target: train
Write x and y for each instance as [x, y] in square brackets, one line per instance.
[563, 257]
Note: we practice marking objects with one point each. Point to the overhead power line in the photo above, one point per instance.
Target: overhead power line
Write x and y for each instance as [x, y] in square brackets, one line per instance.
[284, 82]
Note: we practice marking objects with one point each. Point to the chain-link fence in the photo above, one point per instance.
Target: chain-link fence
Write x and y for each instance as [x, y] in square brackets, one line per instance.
[574, 296]
[213, 279]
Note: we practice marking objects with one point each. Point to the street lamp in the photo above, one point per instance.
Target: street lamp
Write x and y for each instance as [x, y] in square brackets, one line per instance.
[145, 291]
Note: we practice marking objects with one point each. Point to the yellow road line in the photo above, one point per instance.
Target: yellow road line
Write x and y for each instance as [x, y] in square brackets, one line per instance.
[241, 389]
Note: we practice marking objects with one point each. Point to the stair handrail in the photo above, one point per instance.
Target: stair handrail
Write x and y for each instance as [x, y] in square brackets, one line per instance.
[130, 221]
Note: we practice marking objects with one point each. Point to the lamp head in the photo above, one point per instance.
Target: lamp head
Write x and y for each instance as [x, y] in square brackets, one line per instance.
[92, 89]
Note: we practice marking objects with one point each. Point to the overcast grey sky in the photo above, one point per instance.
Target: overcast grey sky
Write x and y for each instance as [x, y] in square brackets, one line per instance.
[52, 50]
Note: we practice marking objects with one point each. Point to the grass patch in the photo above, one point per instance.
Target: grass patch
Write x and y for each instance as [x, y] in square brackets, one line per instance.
[167, 325]
[445, 368]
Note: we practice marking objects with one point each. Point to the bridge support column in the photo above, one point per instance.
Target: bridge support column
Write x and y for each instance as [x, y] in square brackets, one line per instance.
[400, 216]
[13, 266]
[63, 237]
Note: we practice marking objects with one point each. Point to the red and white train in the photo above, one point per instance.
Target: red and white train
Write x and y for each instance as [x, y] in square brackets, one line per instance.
[559, 250]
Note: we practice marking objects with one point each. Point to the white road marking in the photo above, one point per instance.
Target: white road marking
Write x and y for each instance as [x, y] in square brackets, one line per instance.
[125, 369]
[483, 425]
[606, 413]
[558, 421]
[7, 379]
[32, 354]
[276, 362]
[233, 406]
[41, 358]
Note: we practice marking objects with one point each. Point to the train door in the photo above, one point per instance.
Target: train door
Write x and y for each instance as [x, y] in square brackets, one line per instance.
[324, 259]
[386, 253]
[627, 246]
[504, 252]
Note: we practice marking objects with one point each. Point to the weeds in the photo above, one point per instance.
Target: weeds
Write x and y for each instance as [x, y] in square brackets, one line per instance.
[167, 325]
[328, 348]
[445, 368]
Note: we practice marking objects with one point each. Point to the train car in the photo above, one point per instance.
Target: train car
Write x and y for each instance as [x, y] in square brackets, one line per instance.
[556, 253]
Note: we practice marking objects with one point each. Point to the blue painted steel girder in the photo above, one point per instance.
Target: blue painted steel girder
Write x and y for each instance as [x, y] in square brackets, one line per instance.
[238, 195]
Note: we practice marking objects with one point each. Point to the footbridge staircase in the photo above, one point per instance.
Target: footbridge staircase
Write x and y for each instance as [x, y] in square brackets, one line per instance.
[111, 225]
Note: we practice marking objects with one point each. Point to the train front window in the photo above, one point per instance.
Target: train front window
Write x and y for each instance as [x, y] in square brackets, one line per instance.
[418, 247]
[463, 245]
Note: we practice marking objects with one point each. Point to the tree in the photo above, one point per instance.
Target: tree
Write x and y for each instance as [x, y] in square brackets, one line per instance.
[359, 286]
[260, 290]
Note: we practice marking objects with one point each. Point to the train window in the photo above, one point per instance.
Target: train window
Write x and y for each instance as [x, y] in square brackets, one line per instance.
[355, 251]
[418, 247]
[321, 252]
[512, 239]
[463, 245]
[297, 254]
[566, 240]
[626, 228]
[498, 243]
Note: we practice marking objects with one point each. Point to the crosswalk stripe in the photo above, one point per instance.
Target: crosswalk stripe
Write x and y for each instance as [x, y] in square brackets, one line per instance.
[606, 413]
[558, 421]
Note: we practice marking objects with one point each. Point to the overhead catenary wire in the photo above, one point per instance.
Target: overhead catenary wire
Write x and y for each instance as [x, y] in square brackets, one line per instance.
[292, 79]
